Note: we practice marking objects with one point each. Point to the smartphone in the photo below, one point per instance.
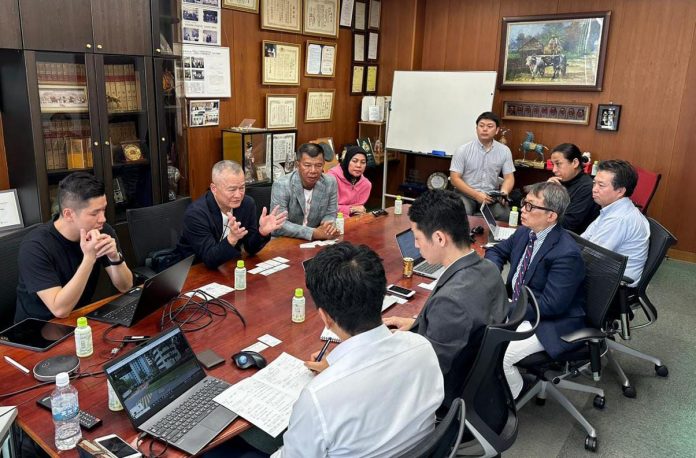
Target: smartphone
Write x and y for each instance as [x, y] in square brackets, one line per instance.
[118, 447]
[401, 291]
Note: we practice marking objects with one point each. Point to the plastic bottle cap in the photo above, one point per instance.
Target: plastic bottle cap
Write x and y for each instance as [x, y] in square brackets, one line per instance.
[339, 215]
[82, 321]
[514, 209]
[62, 379]
[299, 292]
[596, 162]
[240, 264]
[398, 197]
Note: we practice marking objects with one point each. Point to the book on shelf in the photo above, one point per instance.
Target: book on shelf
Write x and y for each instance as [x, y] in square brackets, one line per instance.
[66, 74]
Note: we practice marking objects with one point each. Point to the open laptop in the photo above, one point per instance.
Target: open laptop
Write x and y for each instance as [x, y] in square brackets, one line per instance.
[496, 233]
[166, 393]
[407, 246]
[138, 303]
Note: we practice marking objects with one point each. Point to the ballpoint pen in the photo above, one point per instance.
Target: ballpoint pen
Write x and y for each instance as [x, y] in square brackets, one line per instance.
[19, 366]
[323, 350]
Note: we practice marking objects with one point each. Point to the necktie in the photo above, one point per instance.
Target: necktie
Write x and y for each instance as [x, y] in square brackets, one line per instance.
[525, 264]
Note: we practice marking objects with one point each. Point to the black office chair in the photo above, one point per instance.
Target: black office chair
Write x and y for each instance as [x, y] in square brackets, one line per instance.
[632, 299]
[444, 440]
[491, 415]
[155, 228]
[9, 253]
[262, 197]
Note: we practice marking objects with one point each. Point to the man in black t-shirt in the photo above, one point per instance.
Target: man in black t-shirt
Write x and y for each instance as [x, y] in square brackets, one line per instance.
[58, 261]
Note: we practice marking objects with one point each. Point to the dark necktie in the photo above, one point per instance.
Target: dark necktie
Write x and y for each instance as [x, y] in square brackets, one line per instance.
[523, 268]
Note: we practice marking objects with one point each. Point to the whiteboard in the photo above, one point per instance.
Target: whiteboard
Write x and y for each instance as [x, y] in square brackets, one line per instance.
[437, 110]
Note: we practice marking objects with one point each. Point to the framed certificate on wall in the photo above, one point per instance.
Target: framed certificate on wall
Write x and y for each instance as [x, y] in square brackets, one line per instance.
[281, 63]
[281, 111]
[283, 15]
[320, 104]
[321, 18]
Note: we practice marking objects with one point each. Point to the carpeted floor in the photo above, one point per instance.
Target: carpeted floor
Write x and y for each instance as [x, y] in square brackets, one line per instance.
[661, 420]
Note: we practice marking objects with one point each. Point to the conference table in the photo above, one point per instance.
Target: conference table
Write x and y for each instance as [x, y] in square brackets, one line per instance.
[265, 304]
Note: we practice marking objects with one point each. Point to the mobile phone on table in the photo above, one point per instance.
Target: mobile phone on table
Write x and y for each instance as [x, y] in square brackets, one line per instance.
[117, 446]
[401, 291]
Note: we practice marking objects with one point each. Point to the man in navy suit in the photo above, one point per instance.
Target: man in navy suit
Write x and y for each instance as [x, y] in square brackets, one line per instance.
[544, 257]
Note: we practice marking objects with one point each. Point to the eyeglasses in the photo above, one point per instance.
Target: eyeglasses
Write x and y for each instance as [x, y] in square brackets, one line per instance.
[528, 206]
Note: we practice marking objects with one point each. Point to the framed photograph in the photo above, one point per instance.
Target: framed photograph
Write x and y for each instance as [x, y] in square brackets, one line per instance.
[283, 147]
[608, 117]
[373, 46]
[357, 79]
[63, 99]
[375, 14]
[360, 16]
[358, 47]
[346, 18]
[204, 113]
[554, 52]
[250, 6]
[283, 15]
[10, 213]
[281, 63]
[321, 18]
[556, 112]
[371, 79]
[320, 59]
[281, 111]
[320, 104]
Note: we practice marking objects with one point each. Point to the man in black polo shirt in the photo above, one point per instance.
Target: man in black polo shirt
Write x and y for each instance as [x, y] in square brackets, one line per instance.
[59, 261]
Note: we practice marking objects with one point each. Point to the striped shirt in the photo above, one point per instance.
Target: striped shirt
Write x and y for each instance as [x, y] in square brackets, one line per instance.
[541, 236]
[481, 169]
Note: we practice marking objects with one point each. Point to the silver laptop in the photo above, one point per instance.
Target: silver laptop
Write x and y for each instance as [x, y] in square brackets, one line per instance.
[407, 246]
[496, 232]
[166, 393]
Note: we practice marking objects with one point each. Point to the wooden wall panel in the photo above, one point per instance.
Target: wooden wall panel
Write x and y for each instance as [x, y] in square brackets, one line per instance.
[4, 175]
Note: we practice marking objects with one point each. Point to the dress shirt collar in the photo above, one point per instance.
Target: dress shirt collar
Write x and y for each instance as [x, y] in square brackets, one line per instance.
[483, 147]
[359, 340]
[541, 236]
[619, 206]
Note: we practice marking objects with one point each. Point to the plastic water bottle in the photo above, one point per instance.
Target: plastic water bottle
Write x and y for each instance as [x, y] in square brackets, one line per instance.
[240, 276]
[514, 216]
[83, 338]
[65, 408]
[595, 168]
[298, 306]
[398, 205]
[340, 223]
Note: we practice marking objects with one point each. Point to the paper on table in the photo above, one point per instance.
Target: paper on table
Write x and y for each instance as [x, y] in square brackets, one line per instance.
[269, 340]
[258, 347]
[214, 289]
[429, 286]
[266, 399]
[281, 259]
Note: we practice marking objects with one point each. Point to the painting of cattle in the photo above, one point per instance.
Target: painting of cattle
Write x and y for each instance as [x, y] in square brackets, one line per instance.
[563, 51]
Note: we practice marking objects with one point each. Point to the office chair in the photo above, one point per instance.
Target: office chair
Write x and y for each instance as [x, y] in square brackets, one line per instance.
[645, 188]
[444, 440]
[9, 253]
[632, 299]
[155, 228]
[262, 198]
[603, 274]
[491, 415]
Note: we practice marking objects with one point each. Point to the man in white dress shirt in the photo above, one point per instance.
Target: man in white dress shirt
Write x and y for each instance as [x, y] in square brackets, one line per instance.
[377, 392]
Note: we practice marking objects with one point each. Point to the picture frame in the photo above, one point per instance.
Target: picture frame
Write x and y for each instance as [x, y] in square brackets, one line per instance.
[132, 151]
[371, 79]
[373, 46]
[553, 112]
[554, 52]
[360, 15]
[204, 113]
[359, 47]
[346, 17]
[320, 59]
[10, 211]
[320, 18]
[281, 111]
[280, 63]
[250, 6]
[320, 105]
[63, 99]
[282, 15]
[608, 117]
[375, 16]
[357, 79]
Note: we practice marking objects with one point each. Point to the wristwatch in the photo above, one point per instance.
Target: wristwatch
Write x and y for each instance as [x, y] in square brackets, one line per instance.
[110, 263]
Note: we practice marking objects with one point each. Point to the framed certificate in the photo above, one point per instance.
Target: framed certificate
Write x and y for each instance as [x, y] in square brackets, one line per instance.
[320, 104]
[320, 59]
[371, 79]
[283, 15]
[360, 17]
[321, 18]
[357, 79]
[10, 213]
[375, 14]
[346, 18]
[358, 47]
[281, 63]
[373, 46]
[281, 111]
[251, 6]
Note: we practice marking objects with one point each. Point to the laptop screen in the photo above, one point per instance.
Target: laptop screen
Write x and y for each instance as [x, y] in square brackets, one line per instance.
[154, 374]
[488, 216]
[407, 245]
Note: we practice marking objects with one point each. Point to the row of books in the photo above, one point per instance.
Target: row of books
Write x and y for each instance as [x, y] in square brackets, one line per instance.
[122, 88]
[61, 73]
[67, 144]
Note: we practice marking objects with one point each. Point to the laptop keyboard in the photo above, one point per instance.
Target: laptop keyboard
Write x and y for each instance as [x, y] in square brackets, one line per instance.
[123, 313]
[190, 413]
[428, 268]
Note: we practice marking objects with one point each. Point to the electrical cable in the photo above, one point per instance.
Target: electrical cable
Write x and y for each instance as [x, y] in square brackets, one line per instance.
[196, 311]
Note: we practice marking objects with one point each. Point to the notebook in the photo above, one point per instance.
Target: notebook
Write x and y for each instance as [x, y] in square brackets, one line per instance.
[496, 232]
[165, 392]
[407, 246]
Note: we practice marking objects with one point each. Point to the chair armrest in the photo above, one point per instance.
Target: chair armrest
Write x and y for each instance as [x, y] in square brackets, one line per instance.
[625, 281]
[583, 334]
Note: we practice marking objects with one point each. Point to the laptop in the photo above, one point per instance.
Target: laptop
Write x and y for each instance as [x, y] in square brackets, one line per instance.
[165, 392]
[407, 246]
[497, 233]
[139, 302]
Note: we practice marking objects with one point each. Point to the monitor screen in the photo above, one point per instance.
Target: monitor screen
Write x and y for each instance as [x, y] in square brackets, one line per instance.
[407, 245]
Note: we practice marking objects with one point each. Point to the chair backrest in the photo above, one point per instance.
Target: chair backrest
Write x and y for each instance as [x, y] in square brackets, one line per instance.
[156, 228]
[645, 189]
[490, 407]
[443, 442]
[604, 271]
[660, 241]
[262, 197]
[9, 253]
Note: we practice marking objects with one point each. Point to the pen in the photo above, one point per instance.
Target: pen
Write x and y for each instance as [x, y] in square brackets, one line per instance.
[25, 370]
[321, 353]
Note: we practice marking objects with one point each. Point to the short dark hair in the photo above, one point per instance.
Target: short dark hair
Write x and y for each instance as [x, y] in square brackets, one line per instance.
[438, 210]
[625, 176]
[77, 188]
[311, 150]
[349, 283]
[570, 151]
[490, 116]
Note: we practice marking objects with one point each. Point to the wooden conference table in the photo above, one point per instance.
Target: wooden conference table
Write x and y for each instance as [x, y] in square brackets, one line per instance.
[265, 304]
